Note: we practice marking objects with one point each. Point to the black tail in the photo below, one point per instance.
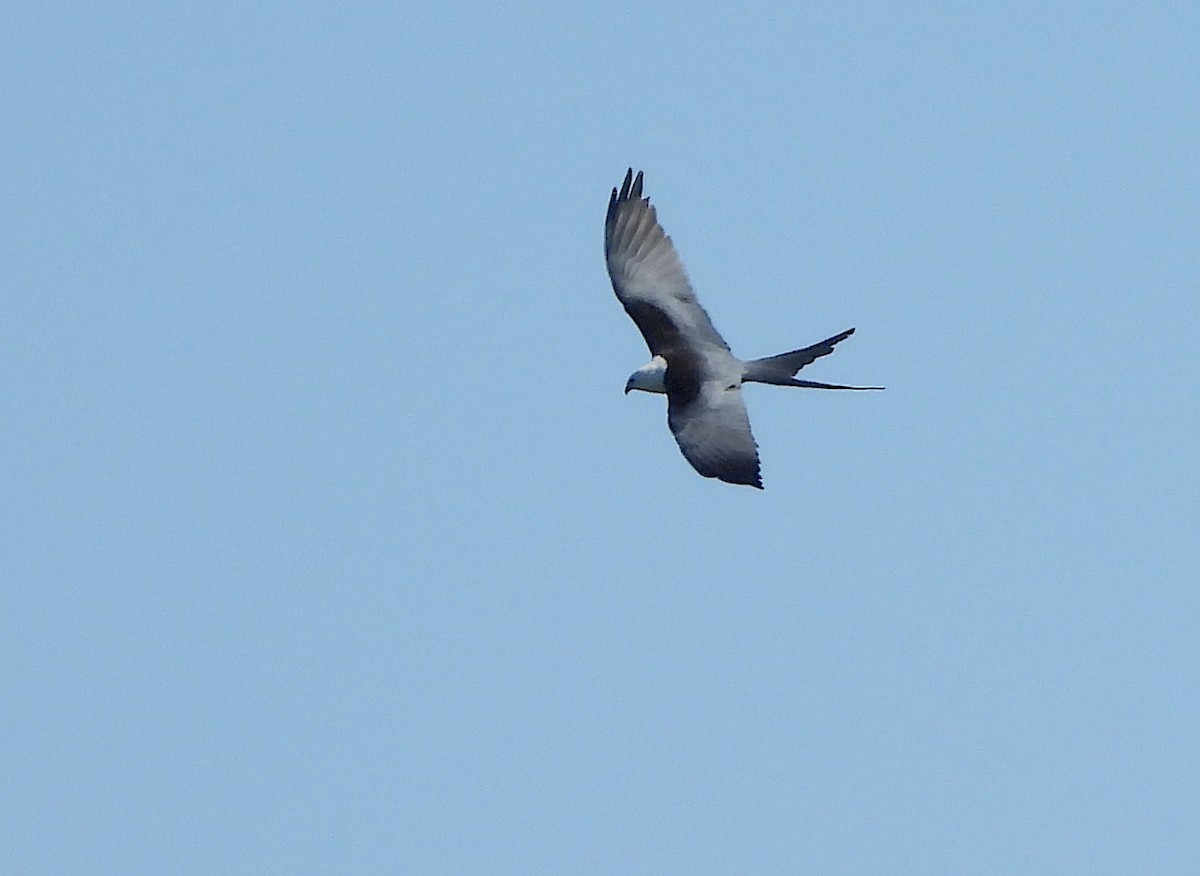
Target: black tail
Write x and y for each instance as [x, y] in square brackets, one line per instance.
[780, 370]
[812, 384]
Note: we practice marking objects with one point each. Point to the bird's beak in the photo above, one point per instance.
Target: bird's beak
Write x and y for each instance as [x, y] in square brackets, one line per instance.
[627, 388]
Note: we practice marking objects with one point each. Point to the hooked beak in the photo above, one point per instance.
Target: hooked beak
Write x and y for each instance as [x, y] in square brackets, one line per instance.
[627, 388]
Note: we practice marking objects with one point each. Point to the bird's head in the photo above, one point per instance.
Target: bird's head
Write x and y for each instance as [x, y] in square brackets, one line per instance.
[651, 377]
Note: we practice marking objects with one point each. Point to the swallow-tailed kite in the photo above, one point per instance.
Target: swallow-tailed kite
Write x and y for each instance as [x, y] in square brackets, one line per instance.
[692, 364]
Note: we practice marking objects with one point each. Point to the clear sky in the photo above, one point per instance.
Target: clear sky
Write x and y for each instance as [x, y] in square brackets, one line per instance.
[331, 545]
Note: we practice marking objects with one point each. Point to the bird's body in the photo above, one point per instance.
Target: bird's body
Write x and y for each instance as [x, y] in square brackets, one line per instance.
[692, 365]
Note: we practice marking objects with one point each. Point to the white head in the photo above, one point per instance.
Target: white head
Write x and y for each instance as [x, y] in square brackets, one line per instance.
[651, 377]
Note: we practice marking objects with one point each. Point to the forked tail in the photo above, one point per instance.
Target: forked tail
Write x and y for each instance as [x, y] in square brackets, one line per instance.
[780, 370]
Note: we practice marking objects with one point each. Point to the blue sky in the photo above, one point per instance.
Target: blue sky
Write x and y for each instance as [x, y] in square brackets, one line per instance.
[331, 545]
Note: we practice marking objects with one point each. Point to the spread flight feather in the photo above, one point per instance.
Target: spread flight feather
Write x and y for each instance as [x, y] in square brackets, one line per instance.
[692, 364]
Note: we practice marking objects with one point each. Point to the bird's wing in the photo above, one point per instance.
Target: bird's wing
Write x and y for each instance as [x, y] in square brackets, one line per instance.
[648, 276]
[708, 417]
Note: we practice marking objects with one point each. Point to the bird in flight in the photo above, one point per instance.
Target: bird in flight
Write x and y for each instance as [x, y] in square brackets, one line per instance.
[692, 365]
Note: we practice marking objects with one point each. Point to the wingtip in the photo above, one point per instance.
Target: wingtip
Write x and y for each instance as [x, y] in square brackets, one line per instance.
[744, 479]
[626, 185]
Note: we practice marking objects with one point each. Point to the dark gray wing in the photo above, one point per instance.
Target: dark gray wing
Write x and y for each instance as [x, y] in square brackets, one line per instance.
[649, 278]
[708, 417]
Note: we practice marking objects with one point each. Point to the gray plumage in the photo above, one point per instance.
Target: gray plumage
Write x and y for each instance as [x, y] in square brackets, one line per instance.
[692, 363]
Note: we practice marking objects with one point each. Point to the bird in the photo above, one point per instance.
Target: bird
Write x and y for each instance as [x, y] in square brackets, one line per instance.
[691, 363]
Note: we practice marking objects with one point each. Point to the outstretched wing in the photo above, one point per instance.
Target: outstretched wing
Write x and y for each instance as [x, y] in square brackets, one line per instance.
[708, 417]
[649, 278]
